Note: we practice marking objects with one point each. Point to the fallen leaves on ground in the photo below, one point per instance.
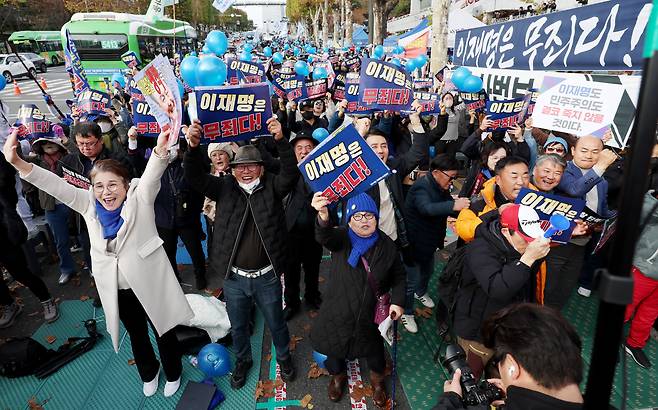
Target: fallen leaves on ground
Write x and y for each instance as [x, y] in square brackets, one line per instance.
[424, 312]
[213, 292]
[359, 391]
[265, 389]
[50, 339]
[316, 371]
[313, 314]
[131, 362]
[34, 404]
[293, 342]
[84, 297]
[306, 401]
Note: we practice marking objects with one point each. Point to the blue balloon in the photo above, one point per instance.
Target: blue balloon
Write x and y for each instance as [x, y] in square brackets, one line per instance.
[118, 77]
[267, 51]
[205, 49]
[211, 71]
[472, 84]
[277, 58]
[320, 73]
[286, 47]
[320, 134]
[296, 51]
[411, 65]
[459, 75]
[181, 89]
[3, 82]
[317, 356]
[214, 360]
[421, 60]
[310, 59]
[248, 48]
[193, 53]
[188, 70]
[378, 52]
[396, 61]
[301, 68]
[325, 49]
[245, 56]
[217, 42]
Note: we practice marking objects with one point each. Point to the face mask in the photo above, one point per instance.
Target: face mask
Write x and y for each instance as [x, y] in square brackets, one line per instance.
[307, 115]
[448, 103]
[106, 126]
[250, 186]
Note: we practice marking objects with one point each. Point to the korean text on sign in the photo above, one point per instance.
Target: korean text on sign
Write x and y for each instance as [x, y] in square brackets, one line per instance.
[384, 86]
[547, 205]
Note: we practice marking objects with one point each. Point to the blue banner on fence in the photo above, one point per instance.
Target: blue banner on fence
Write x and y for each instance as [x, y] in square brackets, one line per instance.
[604, 36]
[232, 113]
[74, 65]
[505, 113]
[384, 86]
[244, 72]
[32, 124]
[343, 165]
[547, 205]
[145, 123]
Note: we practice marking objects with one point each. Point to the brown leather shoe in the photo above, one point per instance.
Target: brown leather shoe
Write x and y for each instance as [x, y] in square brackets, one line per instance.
[378, 389]
[337, 386]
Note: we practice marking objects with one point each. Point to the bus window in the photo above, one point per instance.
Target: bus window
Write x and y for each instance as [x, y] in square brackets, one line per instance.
[26, 46]
[151, 46]
[100, 46]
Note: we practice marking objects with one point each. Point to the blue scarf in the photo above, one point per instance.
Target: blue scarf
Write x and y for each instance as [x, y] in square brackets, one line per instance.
[360, 246]
[111, 221]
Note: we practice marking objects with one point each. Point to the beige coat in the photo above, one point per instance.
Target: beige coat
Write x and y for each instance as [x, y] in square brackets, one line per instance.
[139, 253]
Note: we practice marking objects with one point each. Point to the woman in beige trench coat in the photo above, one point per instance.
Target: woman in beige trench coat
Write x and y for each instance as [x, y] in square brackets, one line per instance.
[133, 276]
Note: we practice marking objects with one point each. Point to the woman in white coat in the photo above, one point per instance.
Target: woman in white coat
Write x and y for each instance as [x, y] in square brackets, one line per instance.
[133, 276]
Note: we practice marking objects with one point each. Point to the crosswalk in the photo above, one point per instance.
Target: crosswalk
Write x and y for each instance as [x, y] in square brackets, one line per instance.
[60, 87]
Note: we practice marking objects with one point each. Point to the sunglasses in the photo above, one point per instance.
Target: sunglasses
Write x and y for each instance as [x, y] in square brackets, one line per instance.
[450, 177]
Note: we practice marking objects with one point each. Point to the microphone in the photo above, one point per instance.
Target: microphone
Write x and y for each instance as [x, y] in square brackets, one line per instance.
[558, 223]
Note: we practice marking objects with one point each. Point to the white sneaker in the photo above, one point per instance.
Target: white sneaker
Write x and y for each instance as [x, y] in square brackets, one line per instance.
[425, 300]
[584, 292]
[171, 388]
[151, 387]
[409, 323]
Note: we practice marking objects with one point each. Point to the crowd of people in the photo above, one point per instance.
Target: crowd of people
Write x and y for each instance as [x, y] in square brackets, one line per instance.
[264, 221]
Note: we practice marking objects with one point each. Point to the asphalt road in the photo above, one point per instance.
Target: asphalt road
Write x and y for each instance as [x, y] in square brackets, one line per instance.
[59, 88]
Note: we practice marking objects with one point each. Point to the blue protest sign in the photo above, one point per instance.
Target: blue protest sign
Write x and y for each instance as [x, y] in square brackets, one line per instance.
[384, 86]
[145, 123]
[244, 72]
[232, 113]
[352, 81]
[290, 86]
[316, 88]
[74, 65]
[342, 165]
[474, 101]
[600, 37]
[429, 102]
[504, 113]
[93, 102]
[130, 59]
[423, 83]
[549, 204]
[32, 124]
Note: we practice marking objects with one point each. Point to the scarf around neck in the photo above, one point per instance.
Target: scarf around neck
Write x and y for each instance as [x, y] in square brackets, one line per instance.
[360, 246]
[111, 221]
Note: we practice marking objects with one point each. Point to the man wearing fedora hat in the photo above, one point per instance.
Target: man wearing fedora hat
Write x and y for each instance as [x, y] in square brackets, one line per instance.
[252, 252]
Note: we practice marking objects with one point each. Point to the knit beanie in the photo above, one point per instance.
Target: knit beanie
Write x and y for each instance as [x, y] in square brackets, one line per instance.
[361, 203]
[221, 146]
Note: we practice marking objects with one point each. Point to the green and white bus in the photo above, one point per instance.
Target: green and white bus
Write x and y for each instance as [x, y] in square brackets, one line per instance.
[47, 44]
[101, 39]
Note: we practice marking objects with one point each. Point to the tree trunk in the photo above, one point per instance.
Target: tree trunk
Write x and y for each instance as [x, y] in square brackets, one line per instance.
[325, 23]
[348, 22]
[342, 21]
[378, 22]
[315, 20]
[440, 10]
[336, 19]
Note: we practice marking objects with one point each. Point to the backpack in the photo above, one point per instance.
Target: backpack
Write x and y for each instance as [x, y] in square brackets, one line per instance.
[21, 356]
[451, 277]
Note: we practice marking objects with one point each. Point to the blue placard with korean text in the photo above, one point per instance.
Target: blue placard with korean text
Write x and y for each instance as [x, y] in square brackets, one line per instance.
[231, 113]
[547, 205]
[145, 123]
[474, 101]
[342, 165]
[384, 86]
[93, 102]
[32, 124]
[244, 72]
[604, 36]
[289, 86]
[505, 113]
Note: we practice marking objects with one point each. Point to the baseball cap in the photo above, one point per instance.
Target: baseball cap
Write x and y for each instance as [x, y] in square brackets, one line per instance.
[523, 220]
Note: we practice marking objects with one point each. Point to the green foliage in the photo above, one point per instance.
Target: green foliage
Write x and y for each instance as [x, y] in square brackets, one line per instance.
[402, 8]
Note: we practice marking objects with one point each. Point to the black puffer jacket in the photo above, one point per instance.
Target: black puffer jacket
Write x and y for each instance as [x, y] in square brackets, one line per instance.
[12, 228]
[266, 203]
[345, 326]
[492, 278]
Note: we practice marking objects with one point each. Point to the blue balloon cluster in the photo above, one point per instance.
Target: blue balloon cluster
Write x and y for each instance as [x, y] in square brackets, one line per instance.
[378, 52]
[245, 55]
[214, 360]
[301, 68]
[277, 58]
[267, 51]
[398, 50]
[320, 73]
[416, 63]
[207, 71]
[216, 42]
[465, 81]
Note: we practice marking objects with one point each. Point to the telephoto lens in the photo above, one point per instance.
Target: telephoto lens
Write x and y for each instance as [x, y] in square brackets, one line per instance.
[473, 393]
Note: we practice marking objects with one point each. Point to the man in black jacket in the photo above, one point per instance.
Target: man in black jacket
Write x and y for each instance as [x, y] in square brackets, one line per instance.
[498, 270]
[303, 249]
[252, 251]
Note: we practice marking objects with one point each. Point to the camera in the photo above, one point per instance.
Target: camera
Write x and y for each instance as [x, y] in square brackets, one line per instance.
[473, 393]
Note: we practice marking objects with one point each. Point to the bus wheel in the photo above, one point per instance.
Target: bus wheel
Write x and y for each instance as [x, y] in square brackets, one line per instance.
[54, 61]
[8, 77]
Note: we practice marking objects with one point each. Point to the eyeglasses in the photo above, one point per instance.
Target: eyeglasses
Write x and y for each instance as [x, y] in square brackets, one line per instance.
[247, 167]
[87, 144]
[112, 187]
[367, 215]
[557, 150]
[450, 177]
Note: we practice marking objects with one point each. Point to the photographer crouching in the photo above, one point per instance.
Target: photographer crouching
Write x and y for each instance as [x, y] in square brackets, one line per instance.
[537, 353]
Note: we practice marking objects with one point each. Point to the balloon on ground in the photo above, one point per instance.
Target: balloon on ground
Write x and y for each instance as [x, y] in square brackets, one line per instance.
[214, 360]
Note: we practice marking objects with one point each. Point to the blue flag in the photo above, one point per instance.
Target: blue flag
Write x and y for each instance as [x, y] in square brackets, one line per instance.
[232, 113]
[74, 65]
[343, 165]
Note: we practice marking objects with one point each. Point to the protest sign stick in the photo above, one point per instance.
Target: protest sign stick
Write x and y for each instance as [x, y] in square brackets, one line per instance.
[616, 289]
[39, 85]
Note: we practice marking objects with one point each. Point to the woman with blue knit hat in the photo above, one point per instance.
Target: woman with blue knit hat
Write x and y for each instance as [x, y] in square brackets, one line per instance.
[365, 264]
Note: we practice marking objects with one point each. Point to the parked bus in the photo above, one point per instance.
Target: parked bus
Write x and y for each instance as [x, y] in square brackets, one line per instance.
[101, 39]
[47, 44]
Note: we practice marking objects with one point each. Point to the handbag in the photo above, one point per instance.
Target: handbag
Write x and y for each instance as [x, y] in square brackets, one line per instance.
[383, 300]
